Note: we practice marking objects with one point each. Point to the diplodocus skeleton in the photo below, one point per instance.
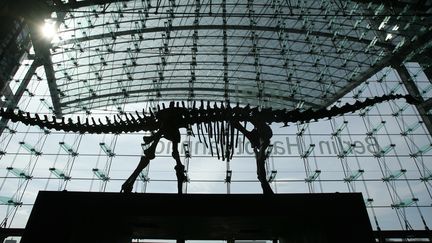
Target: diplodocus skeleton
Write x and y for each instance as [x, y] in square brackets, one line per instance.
[213, 124]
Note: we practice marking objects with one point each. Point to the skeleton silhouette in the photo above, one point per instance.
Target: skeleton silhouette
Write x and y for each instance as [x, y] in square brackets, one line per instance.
[218, 124]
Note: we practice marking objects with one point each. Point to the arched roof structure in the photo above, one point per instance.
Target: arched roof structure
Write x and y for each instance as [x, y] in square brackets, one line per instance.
[266, 53]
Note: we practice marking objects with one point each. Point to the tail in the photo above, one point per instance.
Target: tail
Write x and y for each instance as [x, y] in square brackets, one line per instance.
[119, 125]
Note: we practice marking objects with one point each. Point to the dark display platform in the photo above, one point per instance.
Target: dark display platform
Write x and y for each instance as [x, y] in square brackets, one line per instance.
[114, 217]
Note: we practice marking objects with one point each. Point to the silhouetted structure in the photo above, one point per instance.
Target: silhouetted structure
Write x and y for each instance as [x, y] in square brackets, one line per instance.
[294, 61]
[165, 123]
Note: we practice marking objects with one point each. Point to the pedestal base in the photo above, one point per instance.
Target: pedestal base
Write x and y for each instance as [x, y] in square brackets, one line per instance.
[114, 217]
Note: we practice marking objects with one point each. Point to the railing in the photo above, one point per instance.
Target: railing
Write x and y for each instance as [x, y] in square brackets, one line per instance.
[413, 236]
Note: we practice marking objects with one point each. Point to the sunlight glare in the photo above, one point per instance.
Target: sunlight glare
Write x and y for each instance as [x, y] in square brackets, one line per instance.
[49, 29]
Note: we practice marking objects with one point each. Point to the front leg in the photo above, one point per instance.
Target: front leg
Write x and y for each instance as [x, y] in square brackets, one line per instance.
[149, 154]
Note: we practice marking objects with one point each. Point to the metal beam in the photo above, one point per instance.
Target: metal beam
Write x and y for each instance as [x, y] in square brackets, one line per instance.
[15, 98]
[185, 90]
[355, 39]
[72, 4]
[23, 86]
[428, 72]
[394, 58]
[418, 5]
[52, 85]
[6, 92]
[41, 47]
[414, 91]
[427, 104]
[408, 81]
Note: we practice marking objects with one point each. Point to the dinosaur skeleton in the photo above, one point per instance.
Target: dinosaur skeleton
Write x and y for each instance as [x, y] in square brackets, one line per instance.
[218, 124]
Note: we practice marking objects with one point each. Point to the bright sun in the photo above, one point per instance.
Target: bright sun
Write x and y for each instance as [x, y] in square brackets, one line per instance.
[49, 29]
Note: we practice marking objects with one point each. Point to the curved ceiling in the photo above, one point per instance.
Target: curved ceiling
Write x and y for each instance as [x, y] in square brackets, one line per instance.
[268, 53]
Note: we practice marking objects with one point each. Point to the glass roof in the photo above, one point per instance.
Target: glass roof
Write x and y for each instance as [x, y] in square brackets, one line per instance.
[266, 53]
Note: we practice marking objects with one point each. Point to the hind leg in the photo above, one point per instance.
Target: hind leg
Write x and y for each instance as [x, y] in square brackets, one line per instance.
[179, 168]
[173, 135]
[149, 154]
[261, 171]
